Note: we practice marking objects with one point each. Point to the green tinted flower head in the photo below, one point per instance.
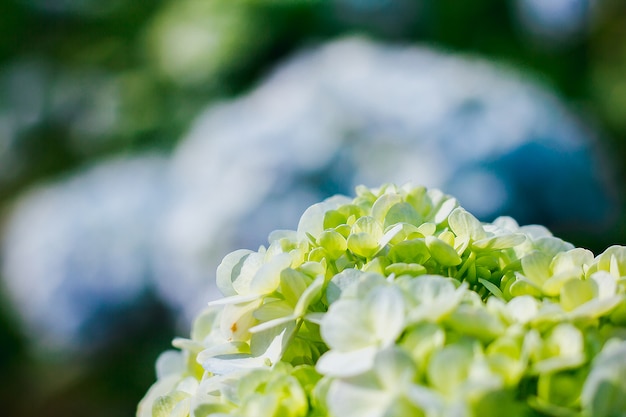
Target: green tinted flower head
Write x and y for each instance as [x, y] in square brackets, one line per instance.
[399, 302]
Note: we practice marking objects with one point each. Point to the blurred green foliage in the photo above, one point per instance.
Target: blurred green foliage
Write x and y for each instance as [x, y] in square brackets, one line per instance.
[156, 64]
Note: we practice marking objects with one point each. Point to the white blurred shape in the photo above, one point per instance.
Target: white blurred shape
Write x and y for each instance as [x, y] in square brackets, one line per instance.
[78, 248]
[330, 118]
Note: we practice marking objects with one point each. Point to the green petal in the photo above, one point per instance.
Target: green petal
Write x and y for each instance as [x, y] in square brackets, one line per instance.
[410, 251]
[402, 213]
[333, 242]
[475, 321]
[449, 368]
[383, 204]
[401, 268]
[292, 284]
[312, 220]
[442, 252]
[363, 244]
[577, 292]
[536, 267]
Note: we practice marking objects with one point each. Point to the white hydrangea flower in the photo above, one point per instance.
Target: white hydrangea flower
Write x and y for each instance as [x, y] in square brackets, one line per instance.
[416, 318]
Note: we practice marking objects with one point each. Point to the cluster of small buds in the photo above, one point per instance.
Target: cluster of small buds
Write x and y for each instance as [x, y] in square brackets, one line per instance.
[401, 303]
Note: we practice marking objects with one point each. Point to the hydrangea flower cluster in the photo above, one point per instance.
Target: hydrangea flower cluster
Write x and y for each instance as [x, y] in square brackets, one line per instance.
[399, 302]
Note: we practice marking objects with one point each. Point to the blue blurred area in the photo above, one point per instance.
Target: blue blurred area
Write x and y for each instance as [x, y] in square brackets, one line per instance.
[140, 144]
[533, 174]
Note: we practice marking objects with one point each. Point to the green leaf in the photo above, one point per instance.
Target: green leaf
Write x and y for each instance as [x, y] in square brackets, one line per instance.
[492, 288]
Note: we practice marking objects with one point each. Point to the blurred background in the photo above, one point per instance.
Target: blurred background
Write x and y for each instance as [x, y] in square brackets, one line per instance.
[140, 142]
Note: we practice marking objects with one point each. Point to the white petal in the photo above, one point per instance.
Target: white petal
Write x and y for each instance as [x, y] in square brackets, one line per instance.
[170, 362]
[312, 220]
[228, 348]
[572, 259]
[389, 235]
[345, 364]
[444, 210]
[315, 317]
[229, 269]
[523, 308]
[607, 284]
[235, 299]
[226, 364]
[160, 388]
[345, 326]
[428, 400]
[386, 308]
[188, 385]
[272, 342]
[536, 267]
[272, 323]
[463, 223]
[395, 369]
[237, 319]
[347, 400]
[267, 278]
[341, 281]
[250, 266]
[504, 241]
